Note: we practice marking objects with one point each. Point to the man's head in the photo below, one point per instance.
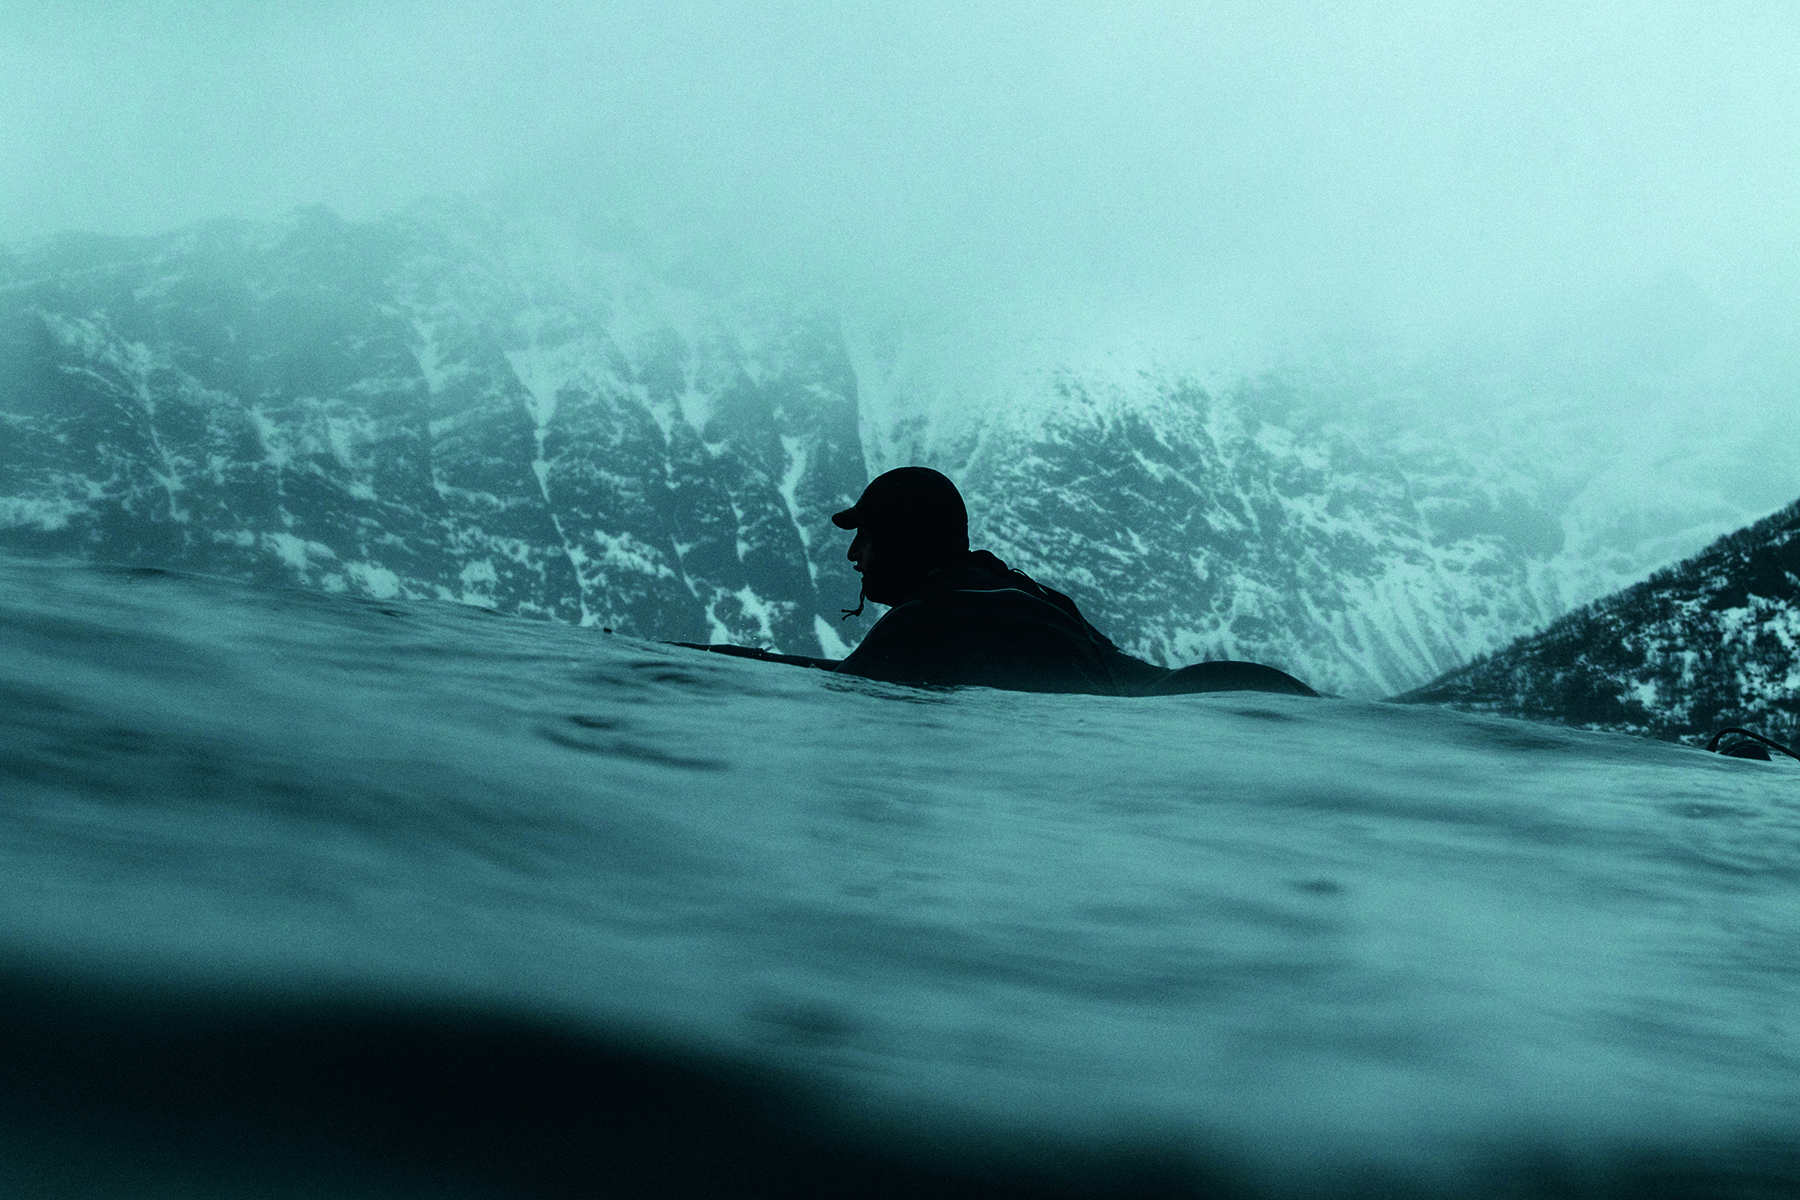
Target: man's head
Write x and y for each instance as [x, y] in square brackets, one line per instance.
[908, 523]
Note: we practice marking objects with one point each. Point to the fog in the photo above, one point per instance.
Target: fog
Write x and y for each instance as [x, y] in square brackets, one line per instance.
[1547, 191]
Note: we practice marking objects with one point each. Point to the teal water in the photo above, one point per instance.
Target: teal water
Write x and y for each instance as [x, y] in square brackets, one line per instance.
[601, 916]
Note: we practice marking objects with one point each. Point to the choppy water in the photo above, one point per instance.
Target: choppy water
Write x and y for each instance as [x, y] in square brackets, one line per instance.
[305, 895]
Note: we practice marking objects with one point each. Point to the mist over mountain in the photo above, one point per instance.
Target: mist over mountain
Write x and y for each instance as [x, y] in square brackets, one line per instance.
[448, 403]
[1360, 342]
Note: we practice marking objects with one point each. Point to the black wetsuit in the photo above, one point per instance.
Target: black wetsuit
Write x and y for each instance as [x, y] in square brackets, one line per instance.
[979, 622]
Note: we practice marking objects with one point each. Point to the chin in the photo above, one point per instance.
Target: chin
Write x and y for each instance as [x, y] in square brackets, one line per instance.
[881, 591]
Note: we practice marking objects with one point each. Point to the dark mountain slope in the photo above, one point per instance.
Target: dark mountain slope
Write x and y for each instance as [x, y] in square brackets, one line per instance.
[1707, 643]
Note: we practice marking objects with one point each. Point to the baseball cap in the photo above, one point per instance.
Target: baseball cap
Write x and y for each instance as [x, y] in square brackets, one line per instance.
[918, 501]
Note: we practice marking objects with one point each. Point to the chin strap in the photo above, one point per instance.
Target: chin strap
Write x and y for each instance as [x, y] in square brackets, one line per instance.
[861, 601]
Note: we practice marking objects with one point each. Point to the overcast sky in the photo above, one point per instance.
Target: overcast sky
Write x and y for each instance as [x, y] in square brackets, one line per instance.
[1400, 169]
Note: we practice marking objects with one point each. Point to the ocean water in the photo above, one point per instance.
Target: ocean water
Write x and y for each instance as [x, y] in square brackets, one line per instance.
[305, 895]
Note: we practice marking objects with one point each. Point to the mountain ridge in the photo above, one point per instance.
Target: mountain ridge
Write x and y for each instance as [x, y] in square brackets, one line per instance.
[444, 403]
[1710, 642]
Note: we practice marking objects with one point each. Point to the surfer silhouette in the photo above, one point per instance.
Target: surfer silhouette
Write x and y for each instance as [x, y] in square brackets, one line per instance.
[958, 616]
[962, 616]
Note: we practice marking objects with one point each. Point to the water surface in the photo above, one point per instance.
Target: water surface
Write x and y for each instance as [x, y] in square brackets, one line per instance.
[303, 894]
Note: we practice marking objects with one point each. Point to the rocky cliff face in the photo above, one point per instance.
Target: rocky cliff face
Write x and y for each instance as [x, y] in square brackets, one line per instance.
[439, 405]
[1199, 526]
[404, 408]
[1711, 642]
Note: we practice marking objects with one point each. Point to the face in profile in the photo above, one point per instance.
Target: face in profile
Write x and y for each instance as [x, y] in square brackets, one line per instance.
[888, 575]
[909, 522]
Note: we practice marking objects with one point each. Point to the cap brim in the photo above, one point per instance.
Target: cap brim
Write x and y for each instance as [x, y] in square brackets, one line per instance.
[848, 519]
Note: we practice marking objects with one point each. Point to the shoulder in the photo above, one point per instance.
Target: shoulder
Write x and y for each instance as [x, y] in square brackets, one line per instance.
[980, 627]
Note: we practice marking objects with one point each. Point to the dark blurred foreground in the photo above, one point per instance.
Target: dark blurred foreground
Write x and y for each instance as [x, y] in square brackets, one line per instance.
[118, 1088]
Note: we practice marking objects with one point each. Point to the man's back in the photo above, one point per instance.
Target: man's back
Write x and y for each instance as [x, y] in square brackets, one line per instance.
[978, 622]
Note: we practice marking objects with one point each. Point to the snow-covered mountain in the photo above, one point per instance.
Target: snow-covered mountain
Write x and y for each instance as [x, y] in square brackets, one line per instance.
[445, 404]
[1711, 642]
[398, 408]
[1203, 526]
